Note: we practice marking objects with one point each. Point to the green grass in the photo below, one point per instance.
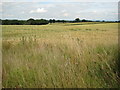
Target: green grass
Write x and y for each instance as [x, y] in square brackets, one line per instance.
[61, 55]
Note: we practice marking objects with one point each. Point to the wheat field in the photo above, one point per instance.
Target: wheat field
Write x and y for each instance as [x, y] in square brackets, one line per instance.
[60, 55]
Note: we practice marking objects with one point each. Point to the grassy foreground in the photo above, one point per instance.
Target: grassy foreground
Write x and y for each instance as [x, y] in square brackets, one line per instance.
[61, 56]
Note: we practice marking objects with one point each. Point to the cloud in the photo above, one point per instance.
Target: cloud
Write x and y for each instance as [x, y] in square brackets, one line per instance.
[94, 11]
[63, 11]
[39, 10]
[67, 11]
[65, 14]
[23, 12]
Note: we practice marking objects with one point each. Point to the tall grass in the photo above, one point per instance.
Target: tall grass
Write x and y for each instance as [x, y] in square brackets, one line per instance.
[71, 59]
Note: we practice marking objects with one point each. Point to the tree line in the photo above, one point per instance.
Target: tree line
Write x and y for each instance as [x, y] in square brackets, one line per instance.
[41, 21]
[25, 22]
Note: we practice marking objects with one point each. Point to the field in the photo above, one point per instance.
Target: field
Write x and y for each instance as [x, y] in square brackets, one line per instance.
[60, 55]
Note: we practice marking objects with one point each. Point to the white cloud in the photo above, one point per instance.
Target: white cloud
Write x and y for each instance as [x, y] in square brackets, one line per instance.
[94, 11]
[50, 5]
[22, 12]
[31, 11]
[39, 10]
[65, 14]
[63, 11]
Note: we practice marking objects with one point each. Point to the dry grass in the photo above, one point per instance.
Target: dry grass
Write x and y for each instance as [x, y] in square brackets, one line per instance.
[61, 55]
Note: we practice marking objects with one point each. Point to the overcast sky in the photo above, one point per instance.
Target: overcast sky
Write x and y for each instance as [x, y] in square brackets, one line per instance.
[60, 0]
[60, 10]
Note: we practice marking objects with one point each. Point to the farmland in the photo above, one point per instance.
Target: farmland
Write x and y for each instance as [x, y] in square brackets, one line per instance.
[60, 55]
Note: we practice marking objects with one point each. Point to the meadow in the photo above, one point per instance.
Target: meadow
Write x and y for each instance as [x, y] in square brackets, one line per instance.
[60, 55]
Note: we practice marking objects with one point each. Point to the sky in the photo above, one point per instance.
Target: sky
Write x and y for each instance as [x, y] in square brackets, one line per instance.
[60, 0]
[60, 9]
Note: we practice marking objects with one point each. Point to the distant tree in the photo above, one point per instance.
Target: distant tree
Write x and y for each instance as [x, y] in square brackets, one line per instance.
[25, 22]
[53, 20]
[77, 20]
[43, 22]
[5, 22]
[0, 22]
[30, 21]
[63, 21]
[103, 21]
[58, 20]
[84, 20]
[50, 21]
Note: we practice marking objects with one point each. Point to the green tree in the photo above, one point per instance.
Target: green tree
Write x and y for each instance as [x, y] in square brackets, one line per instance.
[77, 20]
